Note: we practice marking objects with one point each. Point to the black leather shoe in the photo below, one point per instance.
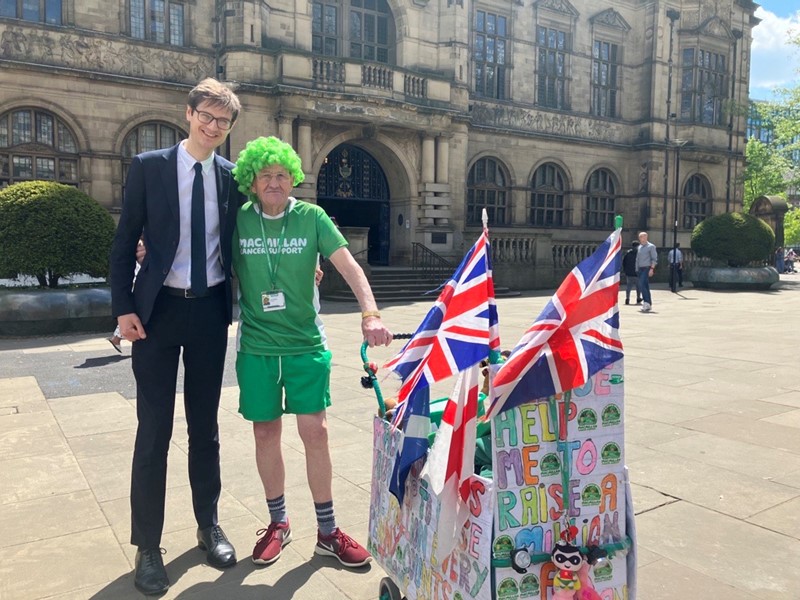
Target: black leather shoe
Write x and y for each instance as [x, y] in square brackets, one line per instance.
[150, 576]
[220, 551]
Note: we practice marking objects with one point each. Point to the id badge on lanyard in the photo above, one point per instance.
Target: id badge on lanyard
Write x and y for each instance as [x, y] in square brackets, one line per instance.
[274, 300]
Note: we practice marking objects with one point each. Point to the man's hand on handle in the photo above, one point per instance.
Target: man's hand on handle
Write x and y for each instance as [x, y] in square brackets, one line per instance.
[375, 332]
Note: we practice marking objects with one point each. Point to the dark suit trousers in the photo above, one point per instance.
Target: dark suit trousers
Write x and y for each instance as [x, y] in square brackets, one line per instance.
[199, 327]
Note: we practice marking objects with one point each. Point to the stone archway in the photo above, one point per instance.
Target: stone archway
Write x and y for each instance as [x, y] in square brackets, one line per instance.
[771, 210]
[353, 189]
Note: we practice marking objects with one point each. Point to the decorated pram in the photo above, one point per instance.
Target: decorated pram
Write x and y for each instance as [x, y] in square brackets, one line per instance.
[555, 518]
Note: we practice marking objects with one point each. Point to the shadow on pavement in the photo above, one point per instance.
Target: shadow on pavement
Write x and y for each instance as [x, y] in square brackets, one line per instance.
[90, 363]
[229, 584]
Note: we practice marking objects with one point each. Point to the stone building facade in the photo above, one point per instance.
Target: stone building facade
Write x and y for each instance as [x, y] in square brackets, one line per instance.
[410, 115]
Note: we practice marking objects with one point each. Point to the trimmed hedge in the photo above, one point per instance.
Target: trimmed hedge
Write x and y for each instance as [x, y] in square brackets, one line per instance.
[735, 239]
[50, 231]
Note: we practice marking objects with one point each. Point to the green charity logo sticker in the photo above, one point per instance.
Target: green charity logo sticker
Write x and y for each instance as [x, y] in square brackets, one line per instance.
[587, 420]
[611, 415]
[610, 454]
[529, 586]
[507, 590]
[604, 572]
[591, 495]
[502, 548]
[550, 465]
[616, 379]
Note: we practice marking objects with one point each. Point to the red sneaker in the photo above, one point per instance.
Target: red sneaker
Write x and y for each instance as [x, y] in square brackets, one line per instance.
[341, 546]
[268, 548]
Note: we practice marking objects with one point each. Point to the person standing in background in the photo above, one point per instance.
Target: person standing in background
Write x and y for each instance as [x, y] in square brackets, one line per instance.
[675, 260]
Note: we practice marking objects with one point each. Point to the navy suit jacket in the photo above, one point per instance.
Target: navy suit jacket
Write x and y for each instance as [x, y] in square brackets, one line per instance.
[150, 210]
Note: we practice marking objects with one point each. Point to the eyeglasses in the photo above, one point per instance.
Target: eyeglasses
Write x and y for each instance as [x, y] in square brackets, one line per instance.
[207, 118]
[281, 178]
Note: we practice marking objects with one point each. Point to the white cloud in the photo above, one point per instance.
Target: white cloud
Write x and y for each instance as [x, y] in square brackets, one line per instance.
[774, 61]
[773, 32]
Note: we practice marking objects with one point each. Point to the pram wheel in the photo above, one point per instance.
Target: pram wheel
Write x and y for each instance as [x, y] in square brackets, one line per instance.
[387, 590]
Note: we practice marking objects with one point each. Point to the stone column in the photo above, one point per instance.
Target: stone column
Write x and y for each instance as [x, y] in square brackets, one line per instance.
[285, 129]
[304, 144]
[428, 159]
[442, 159]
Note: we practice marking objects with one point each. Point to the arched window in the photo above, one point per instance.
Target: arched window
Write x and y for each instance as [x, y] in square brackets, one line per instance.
[487, 187]
[359, 29]
[696, 201]
[146, 137]
[547, 197]
[36, 144]
[601, 192]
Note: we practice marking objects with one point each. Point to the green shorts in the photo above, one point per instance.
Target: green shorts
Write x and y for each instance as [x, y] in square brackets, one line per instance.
[270, 386]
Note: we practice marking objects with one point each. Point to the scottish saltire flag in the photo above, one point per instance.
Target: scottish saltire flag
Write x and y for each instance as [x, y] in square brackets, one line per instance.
[451, 460]
[576, 335]
[416, 426]
[457, 332]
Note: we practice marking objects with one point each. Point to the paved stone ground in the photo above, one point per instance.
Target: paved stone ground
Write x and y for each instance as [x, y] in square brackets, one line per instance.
[713, 445]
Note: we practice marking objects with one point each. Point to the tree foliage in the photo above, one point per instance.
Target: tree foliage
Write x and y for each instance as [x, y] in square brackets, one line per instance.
[791, 227]
[734, 239]
[765, 174]
[50, 231]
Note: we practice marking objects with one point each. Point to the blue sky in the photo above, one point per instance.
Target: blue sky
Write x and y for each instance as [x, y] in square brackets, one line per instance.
[774, 62]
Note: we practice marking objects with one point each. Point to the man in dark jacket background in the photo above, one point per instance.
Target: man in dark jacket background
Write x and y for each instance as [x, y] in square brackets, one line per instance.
[631, 275]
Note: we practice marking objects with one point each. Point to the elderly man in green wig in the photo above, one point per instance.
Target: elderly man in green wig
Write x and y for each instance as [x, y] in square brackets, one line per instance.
[283, 362]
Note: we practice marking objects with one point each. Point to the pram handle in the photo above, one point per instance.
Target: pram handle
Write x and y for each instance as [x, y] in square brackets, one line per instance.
[371, 380]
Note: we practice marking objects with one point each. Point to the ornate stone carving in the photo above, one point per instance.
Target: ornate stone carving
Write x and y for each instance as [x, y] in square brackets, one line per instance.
[644, 177]
[717, 28]
[561, 6]
[100, 54]
[511, 117]
[611, 18]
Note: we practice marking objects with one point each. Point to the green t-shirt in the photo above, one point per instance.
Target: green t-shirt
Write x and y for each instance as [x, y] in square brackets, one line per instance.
[297, 329]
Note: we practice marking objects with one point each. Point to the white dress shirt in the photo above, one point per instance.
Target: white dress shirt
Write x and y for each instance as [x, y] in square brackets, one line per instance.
[180, 274]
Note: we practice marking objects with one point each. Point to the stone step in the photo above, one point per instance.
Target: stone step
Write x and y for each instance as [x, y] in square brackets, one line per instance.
[390, 295]
[403, 284]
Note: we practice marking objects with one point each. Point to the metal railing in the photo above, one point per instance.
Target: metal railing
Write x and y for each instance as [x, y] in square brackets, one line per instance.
[426, 262]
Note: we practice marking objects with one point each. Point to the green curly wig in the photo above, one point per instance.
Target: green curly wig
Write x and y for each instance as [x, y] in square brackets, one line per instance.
[264, 152]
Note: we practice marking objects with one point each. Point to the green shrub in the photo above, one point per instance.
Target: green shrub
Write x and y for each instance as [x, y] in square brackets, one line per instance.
[735, 239]
[50, 231]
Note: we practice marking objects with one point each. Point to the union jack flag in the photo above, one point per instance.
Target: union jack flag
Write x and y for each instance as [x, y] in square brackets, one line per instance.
[575, 336]
[457, 332]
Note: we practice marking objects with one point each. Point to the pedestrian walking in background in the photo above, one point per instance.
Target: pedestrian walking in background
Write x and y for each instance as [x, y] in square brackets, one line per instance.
[646, 261]
[631, 273]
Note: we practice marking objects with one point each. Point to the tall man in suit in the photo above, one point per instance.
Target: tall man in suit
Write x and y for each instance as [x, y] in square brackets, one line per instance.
[182, 201]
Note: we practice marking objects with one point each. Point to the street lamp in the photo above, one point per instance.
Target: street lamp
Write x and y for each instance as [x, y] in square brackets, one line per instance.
[673, 267]
[737, 35]
[673, 15]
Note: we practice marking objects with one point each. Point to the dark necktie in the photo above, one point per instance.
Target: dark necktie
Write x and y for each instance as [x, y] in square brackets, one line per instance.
[199, 280]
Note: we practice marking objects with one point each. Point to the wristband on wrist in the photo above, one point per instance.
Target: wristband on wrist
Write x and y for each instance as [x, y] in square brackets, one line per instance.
[370, 313]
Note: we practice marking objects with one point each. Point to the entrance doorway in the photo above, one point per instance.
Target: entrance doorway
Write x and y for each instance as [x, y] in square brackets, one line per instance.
[352, 189]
